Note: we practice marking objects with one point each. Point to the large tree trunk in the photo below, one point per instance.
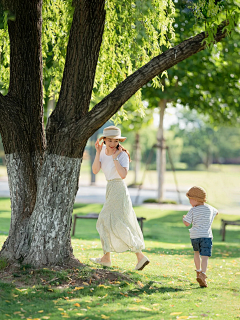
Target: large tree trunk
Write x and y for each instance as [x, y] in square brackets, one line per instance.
[49, 229]
[43, 176]
[43, 180]
[161, 151]
[21, 121]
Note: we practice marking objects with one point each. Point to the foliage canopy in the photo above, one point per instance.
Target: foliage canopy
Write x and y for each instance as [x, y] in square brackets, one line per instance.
[135, 32]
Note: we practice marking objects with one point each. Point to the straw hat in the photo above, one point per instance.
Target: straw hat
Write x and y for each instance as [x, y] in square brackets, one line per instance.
[112, 132]
[197, 193]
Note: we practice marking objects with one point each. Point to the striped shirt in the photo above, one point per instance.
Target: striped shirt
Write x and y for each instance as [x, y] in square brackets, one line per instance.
[201, 218]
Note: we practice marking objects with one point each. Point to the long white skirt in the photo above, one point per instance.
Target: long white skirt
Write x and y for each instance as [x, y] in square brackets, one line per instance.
[117, 223]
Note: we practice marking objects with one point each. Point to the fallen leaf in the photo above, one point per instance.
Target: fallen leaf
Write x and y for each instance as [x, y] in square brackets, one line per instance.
[145, 308]
[40, 311]
[182, 317]
[77, 305]
[78, 288]
[21, 290]
[104, 317]
[60, 309]
[175, 313]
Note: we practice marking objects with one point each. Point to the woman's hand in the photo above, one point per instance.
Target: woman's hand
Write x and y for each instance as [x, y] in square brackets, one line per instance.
[98, 146]
[117, 152]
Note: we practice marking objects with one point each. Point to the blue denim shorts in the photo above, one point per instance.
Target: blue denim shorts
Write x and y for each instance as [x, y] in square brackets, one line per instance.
[203, 245]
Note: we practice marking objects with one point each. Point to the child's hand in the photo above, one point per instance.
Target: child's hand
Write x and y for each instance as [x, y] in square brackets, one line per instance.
[184, 216]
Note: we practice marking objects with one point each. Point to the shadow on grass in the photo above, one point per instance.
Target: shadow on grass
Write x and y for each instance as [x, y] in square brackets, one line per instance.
[40, 298]
[161, 225]
[219, 250]
[167, 229]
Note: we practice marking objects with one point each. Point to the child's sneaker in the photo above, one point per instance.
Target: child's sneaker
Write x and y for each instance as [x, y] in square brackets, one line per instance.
[201, 279]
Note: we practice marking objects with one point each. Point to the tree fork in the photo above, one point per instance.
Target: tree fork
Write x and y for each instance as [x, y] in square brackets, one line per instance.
[78, 78]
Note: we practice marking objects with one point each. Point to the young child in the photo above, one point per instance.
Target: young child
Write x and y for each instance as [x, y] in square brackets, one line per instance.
[201, 217]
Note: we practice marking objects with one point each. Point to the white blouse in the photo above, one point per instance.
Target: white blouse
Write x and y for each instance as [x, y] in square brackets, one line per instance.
[108, 166]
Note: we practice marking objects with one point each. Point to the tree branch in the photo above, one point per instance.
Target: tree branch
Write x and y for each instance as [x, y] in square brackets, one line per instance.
[113, 102]
[81, 61]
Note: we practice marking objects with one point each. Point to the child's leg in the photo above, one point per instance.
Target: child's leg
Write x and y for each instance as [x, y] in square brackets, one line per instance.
[197, 260]
[204, 263]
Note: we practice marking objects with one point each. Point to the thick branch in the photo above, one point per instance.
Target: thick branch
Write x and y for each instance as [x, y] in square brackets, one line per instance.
[25, 52]
[113, 102]
[81, 61]
[21, 118]
[2, 102]
[74, 136]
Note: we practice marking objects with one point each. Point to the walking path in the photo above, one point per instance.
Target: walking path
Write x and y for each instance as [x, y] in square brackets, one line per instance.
[96, 194]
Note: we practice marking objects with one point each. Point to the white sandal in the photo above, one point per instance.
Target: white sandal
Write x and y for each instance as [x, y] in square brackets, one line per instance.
[142, 263]
[98, 261]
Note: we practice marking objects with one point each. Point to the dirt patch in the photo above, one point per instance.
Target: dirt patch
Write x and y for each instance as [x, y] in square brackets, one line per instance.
[61, 277]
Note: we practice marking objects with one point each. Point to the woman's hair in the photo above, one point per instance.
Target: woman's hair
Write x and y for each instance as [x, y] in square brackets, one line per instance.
[123, 149]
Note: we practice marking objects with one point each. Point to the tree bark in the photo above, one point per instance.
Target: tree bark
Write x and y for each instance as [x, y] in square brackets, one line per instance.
[21, 119]
[43, 181]
[161, 151]
[48, 237]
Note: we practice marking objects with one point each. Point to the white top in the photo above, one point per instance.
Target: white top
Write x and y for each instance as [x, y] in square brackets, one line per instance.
[201, 218]
[108, 166]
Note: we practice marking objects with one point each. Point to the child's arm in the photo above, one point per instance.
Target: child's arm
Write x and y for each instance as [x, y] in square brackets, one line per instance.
[185, 222]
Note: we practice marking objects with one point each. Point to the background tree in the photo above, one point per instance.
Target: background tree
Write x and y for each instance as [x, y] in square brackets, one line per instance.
[205, 143]
[135, 120]
[208, 83]
[43, 167]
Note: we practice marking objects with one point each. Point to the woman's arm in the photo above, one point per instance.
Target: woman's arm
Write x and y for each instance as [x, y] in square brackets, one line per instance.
[96, 166]
[121, 170]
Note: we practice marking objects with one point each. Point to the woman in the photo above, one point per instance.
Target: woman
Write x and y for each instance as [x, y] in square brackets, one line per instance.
[117, 224]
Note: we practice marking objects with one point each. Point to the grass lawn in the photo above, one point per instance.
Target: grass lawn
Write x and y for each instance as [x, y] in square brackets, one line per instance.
[165, 289]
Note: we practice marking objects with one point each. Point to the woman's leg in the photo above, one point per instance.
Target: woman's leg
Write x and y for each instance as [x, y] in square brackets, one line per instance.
[106, 257]
[139, 255]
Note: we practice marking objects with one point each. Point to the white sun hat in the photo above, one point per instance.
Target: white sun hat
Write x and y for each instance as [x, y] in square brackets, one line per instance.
[112, 132]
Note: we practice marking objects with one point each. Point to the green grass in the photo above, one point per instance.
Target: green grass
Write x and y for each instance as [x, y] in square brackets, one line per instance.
[165, 289]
